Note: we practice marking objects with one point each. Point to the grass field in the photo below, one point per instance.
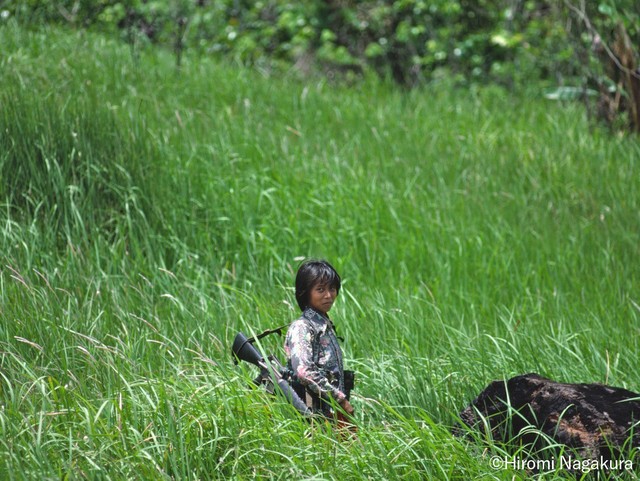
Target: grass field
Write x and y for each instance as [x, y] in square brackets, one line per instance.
[150, 214]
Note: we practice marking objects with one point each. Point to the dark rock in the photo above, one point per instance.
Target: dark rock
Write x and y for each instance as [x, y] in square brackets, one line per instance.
[594, 420]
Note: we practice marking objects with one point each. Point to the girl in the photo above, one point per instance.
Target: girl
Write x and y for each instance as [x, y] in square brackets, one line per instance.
[313, 353]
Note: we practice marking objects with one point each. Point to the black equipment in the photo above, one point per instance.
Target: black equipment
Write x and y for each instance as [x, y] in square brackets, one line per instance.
[272, 373]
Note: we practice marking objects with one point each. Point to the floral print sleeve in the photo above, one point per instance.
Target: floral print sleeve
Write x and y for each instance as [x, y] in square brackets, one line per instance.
[314, 356]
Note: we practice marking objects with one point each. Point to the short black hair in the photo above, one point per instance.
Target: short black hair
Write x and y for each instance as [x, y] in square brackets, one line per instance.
[314, 272]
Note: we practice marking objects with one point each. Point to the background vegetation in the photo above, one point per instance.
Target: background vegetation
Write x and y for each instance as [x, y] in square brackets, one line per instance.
[149, 214]
[580, 49]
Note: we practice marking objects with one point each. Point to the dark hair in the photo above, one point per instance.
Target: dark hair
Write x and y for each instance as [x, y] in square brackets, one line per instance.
[314, 272]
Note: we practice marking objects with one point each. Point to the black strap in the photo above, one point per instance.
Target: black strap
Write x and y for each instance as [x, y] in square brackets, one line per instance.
[277, 330]
[333, 326]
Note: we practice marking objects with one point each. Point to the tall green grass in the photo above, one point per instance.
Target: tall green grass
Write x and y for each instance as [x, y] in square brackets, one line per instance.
[149, 214]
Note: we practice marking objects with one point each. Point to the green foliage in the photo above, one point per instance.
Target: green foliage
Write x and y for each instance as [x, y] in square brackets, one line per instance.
[605, 38]
[611, 12]
[409, 40]
[68, 176]
[479, 235]
[511, 42]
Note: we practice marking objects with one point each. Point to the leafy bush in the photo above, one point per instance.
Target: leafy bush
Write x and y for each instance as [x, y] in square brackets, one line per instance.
[410, 41]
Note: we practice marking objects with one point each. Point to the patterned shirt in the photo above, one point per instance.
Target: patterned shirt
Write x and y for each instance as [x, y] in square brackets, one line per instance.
[314, 356]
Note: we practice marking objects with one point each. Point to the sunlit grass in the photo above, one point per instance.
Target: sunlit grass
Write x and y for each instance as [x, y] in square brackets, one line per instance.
[148, 215]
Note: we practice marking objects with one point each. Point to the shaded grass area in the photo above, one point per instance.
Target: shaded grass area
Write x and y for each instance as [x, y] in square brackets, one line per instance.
[149, 214]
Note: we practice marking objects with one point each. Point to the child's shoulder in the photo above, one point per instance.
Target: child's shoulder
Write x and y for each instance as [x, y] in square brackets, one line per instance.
[302, 323]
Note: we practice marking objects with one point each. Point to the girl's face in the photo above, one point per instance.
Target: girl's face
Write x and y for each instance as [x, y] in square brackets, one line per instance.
[321, 297]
